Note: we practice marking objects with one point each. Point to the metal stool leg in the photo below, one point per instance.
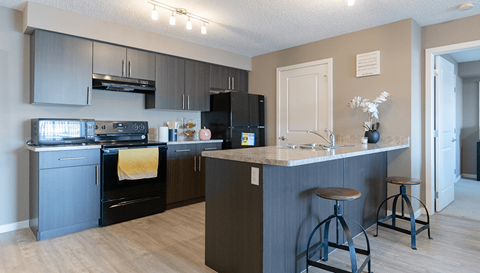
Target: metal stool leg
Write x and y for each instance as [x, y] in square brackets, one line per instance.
[325, 240]
[394, 209]
[311, 236]
[413, 231]
[351, 247]
[428, 215]
[378, 211]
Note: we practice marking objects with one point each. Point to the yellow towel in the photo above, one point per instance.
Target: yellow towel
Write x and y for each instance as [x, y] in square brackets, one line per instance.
[136, 164]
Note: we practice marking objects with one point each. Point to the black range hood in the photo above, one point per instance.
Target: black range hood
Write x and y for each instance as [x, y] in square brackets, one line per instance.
[112, 83]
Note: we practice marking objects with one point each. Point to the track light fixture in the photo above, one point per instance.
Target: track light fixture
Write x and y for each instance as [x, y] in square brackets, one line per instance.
[179, 11]
[154, 13]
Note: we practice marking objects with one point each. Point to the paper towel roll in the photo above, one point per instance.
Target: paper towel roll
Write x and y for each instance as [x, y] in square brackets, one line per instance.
[163, 134]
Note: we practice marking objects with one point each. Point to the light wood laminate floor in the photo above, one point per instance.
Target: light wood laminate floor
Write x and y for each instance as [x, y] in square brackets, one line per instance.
[173, 241]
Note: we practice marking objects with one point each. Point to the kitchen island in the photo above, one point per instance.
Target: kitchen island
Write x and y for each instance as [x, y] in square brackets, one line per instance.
[265, 227]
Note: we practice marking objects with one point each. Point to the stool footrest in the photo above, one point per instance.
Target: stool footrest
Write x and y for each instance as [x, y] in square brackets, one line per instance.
[406, 231]
[337, 270]
[344, 247]
[403, 218]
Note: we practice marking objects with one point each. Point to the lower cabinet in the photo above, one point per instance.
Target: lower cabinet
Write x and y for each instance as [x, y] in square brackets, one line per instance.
[64, 192]
[186, 173]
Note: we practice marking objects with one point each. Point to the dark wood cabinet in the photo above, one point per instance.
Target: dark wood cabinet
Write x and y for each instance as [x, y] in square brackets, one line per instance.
[61, 69]
[227, 78]
[120, 61]
[186, 173]
[64, 192]
[181, 85]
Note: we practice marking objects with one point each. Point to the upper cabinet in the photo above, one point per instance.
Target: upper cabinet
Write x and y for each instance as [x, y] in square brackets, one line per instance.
[227, 78]
[60, 69]
[120, 61]
[181, 85]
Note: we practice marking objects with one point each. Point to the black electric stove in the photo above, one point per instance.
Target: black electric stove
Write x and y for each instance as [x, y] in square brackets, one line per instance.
[123, 200]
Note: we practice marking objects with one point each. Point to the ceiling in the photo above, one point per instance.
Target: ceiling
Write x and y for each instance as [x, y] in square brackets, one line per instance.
[255, 27]
[466, 56]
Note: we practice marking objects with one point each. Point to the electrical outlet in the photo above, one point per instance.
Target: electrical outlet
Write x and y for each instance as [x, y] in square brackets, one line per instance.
[255, 176]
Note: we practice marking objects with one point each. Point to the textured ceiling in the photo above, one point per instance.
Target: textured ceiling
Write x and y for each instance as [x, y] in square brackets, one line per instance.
[255, 27]
[466, 56]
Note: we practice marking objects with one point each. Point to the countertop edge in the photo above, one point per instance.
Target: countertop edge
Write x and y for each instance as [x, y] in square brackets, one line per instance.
[299, 162]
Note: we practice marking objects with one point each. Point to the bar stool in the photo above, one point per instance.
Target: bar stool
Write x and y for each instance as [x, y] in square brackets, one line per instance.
[403, 181]
[338, 194]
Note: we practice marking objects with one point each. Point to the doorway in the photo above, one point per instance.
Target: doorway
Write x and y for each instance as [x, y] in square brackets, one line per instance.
[431, 149]
[304, 101]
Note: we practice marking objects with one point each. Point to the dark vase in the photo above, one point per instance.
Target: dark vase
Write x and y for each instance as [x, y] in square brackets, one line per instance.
[373, 136]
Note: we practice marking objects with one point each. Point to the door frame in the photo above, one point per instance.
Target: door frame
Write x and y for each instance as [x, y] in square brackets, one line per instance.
[279, 70]
[430, 54]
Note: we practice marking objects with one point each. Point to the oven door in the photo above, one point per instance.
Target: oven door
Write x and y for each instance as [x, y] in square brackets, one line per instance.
[113, 189]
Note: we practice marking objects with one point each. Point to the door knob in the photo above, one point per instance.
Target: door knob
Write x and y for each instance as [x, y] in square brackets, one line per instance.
[282, 138]
[453, 139]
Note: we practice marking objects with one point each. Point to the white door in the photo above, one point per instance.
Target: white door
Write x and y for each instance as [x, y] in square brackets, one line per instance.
[445, 82]
[304, 102]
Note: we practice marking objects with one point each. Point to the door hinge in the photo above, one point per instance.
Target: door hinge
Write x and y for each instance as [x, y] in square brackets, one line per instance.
[454, 130]
[436, 194]
[435, 133]
[455, 172]
[454, 90]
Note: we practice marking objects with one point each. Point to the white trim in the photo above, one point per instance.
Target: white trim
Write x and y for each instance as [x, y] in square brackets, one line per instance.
[417, 213]
[424, 212]
[458, 178]
[329, 63]
[469, 176]
[429, 114]
[14, 226]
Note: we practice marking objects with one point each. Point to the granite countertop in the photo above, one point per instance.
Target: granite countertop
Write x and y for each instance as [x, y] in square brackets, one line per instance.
[194, 141]
[62, 147]
[281, 156]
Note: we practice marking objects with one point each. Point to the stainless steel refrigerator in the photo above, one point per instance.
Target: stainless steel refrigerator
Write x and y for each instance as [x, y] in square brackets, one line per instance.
[237, 118]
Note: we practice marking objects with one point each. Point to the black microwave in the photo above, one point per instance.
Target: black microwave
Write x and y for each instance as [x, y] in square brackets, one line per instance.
[62, 131]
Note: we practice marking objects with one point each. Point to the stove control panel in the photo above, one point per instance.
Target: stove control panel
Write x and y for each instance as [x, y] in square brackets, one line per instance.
[103, 127]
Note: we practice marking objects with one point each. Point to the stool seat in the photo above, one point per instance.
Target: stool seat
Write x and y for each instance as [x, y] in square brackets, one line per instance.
[400, 180]
[340, 194]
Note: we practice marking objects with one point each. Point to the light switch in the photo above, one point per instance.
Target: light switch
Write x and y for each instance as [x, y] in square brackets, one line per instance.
[255, 176]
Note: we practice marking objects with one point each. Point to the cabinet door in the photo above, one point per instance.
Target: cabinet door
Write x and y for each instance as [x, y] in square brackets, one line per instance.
[220, 77]
[180, 178]
[68, 196]
[197, 85]
[170, 83]
[240, 82]
[109, 60]
[200, 188]
[61, 69]
[140, 64]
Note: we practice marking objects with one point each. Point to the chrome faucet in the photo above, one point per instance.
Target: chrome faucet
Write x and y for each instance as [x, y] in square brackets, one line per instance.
[330, 135]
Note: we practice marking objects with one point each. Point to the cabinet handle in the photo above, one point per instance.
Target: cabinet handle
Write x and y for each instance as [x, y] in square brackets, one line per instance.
[206, 149]
[188, 102]
[96, 175]
[233, 83]
[178, 151]
[229, 83]
[71, 158]
[194, 163]
[183, 101]
[88, 95]
[199, 163]
[129, 69]
[123, 68]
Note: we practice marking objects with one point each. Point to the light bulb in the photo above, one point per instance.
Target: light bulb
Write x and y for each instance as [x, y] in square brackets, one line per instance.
[154, 14]
[204, 29]
[172, 19]
[351, 2]
[189, 24]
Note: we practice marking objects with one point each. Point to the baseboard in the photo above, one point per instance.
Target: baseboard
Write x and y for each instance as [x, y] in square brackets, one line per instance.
[14, 226]
[416, 214]
[458, 178]
[469, 176]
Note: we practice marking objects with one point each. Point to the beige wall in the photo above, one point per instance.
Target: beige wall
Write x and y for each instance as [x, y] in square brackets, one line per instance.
[61, 21]
[469, 132]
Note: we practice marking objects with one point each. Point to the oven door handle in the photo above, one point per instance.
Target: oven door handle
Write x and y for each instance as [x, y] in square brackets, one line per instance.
[124, 203]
